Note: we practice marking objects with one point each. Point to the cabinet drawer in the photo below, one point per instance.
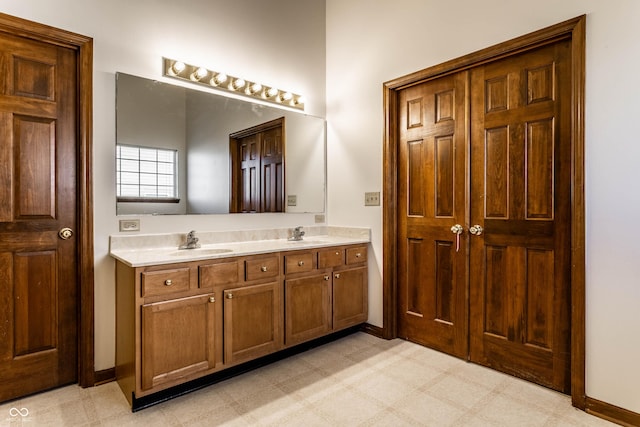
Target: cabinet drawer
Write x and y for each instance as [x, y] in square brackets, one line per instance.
[262, 268]
[224, 273]
[356, 255]
[165, 281]
[298, 263]
[330, 258]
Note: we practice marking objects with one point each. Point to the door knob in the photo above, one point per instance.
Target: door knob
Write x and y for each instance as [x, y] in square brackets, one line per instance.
[65, 233]
[476, 230]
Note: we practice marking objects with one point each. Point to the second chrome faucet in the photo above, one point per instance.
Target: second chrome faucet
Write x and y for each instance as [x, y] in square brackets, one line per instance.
[297, 234]
[192, 241]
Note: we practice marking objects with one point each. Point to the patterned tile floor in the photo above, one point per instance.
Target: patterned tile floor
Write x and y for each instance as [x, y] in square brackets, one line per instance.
[358, 380]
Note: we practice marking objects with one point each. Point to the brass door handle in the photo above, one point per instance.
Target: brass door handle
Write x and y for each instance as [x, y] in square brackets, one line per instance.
[326, 277]
[263, 268]
[476, 230]
[212, 299]
[300, 263]
[337, 276]
[65, 233]
[457, 229]
[229, 296]
[168, 282]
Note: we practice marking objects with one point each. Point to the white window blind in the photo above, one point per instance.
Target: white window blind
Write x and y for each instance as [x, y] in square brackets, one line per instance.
[145, 172]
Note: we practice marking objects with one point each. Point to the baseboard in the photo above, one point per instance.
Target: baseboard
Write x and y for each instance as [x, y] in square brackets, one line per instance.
[612, 413]
[376, 331]
[105, 376]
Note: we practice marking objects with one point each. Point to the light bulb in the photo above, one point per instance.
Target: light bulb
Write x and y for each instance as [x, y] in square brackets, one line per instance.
[238, 83]
[255, 88]
[177, 67]
[272, 92]
[286, 96]
[218, 79]
[199, 74]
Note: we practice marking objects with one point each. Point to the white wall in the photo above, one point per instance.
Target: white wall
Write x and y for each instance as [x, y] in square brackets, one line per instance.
[373, 41]
[279, 42]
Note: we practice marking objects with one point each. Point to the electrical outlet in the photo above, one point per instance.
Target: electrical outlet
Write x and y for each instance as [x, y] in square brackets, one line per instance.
[319, 219]
[372, 199]
[292, 200]
[129, 225]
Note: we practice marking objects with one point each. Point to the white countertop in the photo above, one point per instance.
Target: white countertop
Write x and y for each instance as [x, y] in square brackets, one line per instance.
[136, 255]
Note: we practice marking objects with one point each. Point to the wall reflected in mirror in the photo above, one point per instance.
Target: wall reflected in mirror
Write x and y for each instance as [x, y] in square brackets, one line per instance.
[198, 124]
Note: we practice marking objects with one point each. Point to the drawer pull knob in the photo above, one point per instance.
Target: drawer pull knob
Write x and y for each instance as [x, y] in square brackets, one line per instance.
[326, 277]
[338, 253]
[212, 299]
[358, 255]
[300, 263]
[263, 268]
[168, 282]
[337, 276]
[229, 296]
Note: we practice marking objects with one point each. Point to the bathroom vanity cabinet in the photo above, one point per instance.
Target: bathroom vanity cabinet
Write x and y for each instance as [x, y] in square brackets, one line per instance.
[181, 321]
[325, 291]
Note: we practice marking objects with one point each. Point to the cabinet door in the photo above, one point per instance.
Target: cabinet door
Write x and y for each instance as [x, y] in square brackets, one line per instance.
[349, 297]
[307, 308]
[252, 321]
[177, 339]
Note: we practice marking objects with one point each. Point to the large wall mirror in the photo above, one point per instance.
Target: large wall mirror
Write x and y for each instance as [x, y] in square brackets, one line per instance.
[196, 125]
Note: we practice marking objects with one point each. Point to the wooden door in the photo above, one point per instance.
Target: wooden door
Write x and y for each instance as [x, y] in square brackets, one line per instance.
[431, 199]
[178, 339]
[38, 183]
[520, 195]
[252, 321]
[256, 157]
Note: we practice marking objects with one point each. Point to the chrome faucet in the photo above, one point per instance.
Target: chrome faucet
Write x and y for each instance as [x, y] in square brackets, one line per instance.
[192, 241]
[297, 234]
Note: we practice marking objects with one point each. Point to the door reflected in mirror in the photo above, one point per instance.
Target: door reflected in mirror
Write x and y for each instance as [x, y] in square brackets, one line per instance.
[201, 127]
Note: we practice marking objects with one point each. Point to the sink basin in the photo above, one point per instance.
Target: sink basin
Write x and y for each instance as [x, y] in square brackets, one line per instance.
[303, 241]
[200, 252]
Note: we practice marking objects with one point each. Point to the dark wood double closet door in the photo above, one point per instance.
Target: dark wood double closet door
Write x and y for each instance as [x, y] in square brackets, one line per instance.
[257, 168]
[488, 149]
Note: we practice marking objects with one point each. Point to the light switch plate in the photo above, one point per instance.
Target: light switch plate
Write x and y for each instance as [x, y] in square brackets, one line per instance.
[292, 200]
[319, 219]
[129, 225]
[372, 199]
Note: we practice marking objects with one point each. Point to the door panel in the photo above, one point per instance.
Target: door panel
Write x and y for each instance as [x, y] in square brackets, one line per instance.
[253, 322]
[178, 339]
[307, 308]
[38, 307]
[520, 188]
[250, 171]
[272, 171]
[431, 199]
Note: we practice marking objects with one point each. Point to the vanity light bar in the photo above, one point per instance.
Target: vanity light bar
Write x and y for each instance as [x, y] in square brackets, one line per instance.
[203, 76]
